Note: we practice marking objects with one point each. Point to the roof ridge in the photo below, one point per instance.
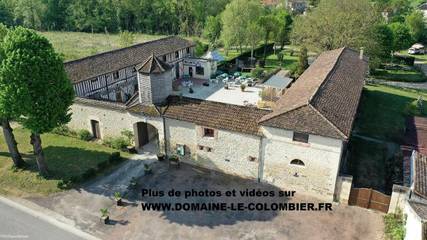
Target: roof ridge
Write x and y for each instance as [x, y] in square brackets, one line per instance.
[333, 69]
[120, 49]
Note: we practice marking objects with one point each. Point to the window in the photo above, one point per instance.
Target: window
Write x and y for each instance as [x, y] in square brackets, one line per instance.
[176, 54]
[300, 137]
[180, 149]
[208, 149]
[200, 71]
[297, 162]
[200, 147]
[116, 75]
[188, 50]
[164, 58]
[208, 132]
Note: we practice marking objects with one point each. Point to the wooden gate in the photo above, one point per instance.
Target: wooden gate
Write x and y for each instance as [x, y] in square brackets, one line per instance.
[369, 198]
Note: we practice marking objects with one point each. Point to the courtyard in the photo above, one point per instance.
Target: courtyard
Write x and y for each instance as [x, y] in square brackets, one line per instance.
[217, 93]
[130, 222]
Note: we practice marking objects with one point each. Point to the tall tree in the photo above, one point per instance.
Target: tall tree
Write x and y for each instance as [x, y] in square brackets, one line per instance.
[270, 25]
[6, 114]
[38, 89]
[254, 37]
[30, 13]
[302, 61]
[401, 36]
[236, 18]
[284, 27]
[212, 29]
[351, 25]
[417, 26]
[382, 45]
[56, 14]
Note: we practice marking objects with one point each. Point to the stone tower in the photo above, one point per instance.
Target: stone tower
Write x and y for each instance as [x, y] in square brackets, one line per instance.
[154, 81]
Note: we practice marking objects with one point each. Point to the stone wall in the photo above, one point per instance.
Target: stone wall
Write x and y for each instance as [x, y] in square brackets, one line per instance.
[229, 152]
[398, 197]
[321, 157]
[343, 189]
[111, 122]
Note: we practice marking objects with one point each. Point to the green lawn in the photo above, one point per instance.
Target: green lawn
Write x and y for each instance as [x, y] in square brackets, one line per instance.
[74, 45]
[381, 116]
[418, 57]
[273, 63]
[413, 75]
[66, 157]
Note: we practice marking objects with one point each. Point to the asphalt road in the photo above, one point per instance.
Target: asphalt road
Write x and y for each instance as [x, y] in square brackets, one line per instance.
[15, 224]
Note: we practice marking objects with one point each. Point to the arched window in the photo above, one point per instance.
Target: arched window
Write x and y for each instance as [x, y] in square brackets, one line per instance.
[297, 162]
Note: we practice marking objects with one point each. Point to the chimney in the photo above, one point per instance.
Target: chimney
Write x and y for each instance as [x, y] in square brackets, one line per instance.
[361, 53]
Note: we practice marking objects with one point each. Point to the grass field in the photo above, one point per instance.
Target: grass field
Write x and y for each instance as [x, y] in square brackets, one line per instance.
[382, 114]
[74, 45]
[419, 57]
[66, 157]
[413, 75]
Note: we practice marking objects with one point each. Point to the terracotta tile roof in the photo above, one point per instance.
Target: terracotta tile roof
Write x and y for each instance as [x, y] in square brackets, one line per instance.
[326, 95]
[92, 66]
[153, 65]
[100, 103]
[416, 134]
[419, 174]
[214, 114]
[419, 208]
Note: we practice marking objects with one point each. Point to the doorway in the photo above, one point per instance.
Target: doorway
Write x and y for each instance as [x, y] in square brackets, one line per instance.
[145, 133]
[96, 133]
[190, 72]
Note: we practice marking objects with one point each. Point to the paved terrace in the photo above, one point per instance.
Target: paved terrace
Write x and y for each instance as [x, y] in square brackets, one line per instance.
[217, 93]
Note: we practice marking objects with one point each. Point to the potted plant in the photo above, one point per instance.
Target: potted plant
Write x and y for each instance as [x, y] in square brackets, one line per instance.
[191, 90]
[105, 215]
[243, 87]
[161, 156]
[118, 198]
[226, 86]
[147, 169]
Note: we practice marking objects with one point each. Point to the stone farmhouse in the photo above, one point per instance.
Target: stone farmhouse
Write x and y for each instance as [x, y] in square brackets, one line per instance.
[298, 145]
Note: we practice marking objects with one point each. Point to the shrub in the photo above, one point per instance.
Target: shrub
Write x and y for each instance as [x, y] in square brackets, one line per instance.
[280, 56]
[75, 179]
[64, 184]
[84, 135]
[128, 134]
[257, 72]
[115, 157]
[91, 172]
[64, 130]
[242, 87]
[394, 226]
[107, 141]
[119, 143]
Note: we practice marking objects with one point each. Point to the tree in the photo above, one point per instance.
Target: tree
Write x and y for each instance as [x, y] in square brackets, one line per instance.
[56, 14]
[254, 37]
[351, 25]
[6, 14]
[270, 25]
[236, 18]
[212, 30]
[302, 61]
[6, 114]
[382, 45]
[416, 25]
[401, 37]
[284, 20]
[29, 13]
[38, 89]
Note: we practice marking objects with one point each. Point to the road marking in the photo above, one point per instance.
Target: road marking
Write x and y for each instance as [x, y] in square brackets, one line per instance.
[48, 219]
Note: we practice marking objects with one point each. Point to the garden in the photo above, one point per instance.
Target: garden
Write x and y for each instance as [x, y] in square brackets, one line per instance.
[72, 160]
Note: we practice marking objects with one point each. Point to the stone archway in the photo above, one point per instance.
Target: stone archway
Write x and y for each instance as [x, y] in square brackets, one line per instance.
[145, 134]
